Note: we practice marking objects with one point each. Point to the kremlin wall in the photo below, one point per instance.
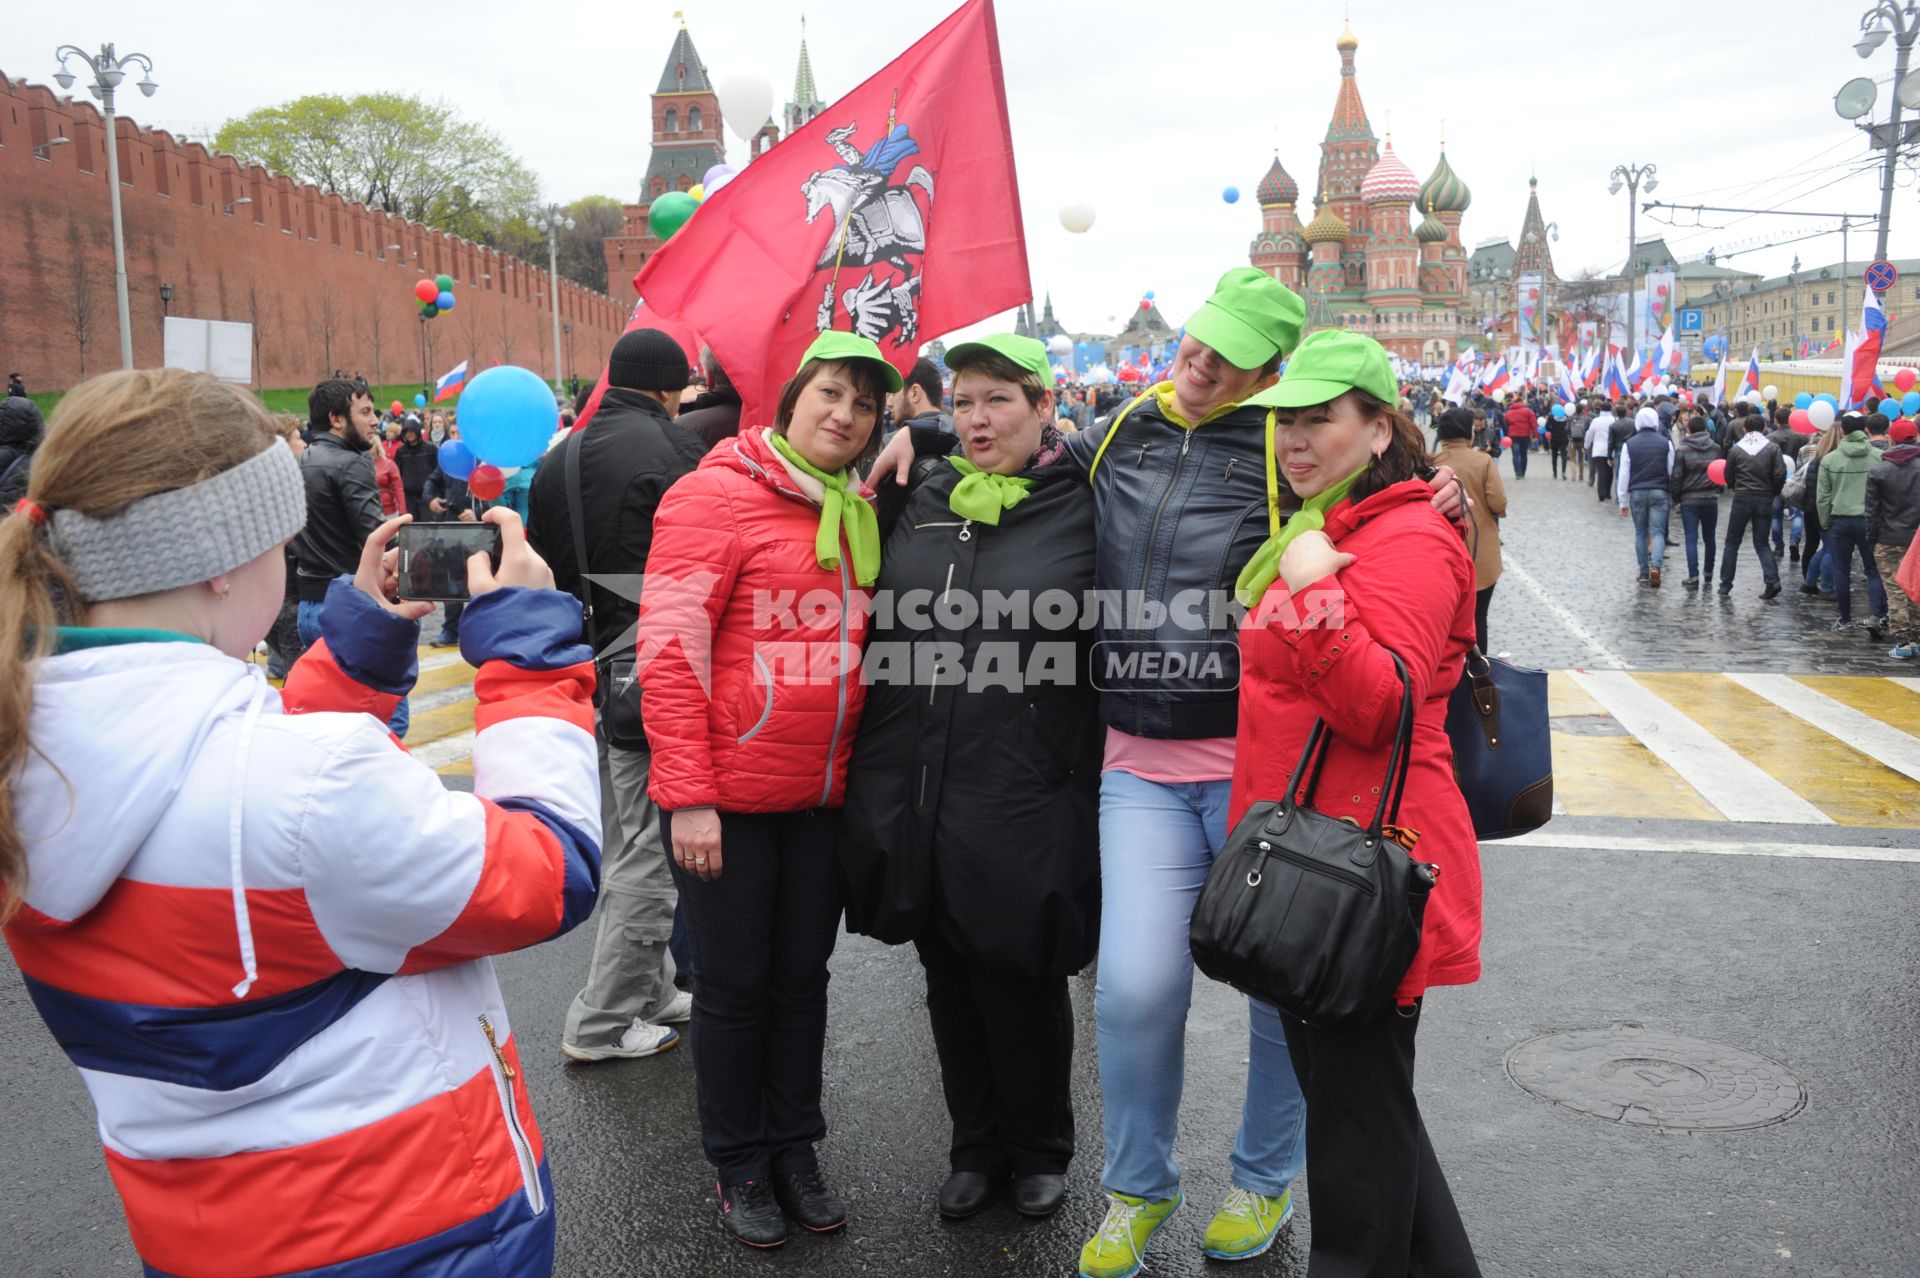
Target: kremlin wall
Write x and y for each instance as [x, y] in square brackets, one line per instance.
[317, 276]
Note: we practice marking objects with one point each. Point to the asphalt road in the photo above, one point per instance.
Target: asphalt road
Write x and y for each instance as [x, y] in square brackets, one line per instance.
[1806, 960]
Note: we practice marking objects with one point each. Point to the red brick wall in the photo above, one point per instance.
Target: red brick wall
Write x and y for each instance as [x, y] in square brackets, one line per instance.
[310, 271]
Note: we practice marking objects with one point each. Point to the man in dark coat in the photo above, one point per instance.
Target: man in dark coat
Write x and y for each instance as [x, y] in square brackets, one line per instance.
[417, 458]
[715, 415]
[21, 430]
[630, 453]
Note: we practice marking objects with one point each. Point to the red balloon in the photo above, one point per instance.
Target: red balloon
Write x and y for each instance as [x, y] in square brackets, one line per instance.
[1145, 305]
[1800, 422]
[1904, 380]
[1717, 471]
[1506, 441]
[426, 291]
[397, 407]
[486, 482]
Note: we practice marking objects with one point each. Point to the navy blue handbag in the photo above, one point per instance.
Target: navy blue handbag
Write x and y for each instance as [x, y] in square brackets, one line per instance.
[1502, 747]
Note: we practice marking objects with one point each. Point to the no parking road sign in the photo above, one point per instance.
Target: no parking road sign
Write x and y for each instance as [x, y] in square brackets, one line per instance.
[1881, 276]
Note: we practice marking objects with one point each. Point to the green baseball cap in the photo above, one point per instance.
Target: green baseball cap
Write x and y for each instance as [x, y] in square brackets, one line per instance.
[1328, 364]
[839, 347]
[1025, 352]
[1250, 318]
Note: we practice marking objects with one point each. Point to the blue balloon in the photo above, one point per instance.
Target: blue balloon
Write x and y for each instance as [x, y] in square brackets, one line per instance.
[1149, 295]
[1231, 195]
[419, 400]
[1560, 412]
[1803, 400]
[1825, 397]
[444, 301]
[507, 415]
[457, 459]
[1910, 402]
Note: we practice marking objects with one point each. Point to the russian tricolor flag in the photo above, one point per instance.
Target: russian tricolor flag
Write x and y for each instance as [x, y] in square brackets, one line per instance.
[1614, 384]
[1859, 370]
[449, 386]
[1750, 380]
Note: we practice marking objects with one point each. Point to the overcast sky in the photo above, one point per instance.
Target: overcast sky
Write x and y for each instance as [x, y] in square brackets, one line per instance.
[1142, 108]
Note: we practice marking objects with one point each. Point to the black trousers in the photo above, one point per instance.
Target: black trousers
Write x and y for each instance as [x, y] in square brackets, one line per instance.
[1380, 1204]
[1603, 477]
[1752, 516]
[1006, 1062]
[1482, 600]
[764, 931]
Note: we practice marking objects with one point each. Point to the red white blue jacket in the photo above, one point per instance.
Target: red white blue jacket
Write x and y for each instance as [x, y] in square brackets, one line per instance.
[259, 929]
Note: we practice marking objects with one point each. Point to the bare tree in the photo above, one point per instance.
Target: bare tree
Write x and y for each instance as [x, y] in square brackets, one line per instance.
[263, 315]
[324, 322]
[84, 294]
[506, 331]
[469, 331]
[375, 329]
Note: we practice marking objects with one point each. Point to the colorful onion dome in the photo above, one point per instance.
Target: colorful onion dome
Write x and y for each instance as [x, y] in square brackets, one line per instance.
[1326, 225]
[1431, 230]
[1444, 192]
[1389, 181]
[1346, 42]
[1277, 187]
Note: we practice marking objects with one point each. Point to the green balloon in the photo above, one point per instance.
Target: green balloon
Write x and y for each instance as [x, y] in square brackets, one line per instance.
[429, 311]
[670, 212]
[445, 283]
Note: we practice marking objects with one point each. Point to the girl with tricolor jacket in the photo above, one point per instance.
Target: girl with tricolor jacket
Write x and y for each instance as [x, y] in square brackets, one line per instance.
[255, 924]
[750, 634]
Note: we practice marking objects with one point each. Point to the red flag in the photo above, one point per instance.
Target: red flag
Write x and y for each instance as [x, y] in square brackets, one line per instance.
[642, 317]
[895, 214]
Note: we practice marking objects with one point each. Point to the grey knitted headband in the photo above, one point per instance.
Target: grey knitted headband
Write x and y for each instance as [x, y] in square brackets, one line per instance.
[189, 534]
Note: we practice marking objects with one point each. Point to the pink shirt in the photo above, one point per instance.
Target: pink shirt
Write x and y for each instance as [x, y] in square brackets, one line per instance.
[1170, 762]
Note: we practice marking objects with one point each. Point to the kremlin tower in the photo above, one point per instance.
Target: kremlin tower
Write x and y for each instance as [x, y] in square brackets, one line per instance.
[1382, 255]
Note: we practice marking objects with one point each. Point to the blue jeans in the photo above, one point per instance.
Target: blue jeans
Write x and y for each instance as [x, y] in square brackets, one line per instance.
[1819, 567]
[1799, 523]
[1649, 506]
[1847, 535]
[309, 622]
[1520, 446]
[1701, 522]
[1157, 843]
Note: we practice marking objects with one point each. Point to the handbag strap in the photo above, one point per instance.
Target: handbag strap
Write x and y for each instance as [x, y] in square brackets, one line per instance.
[572, 447]
[1313, 757]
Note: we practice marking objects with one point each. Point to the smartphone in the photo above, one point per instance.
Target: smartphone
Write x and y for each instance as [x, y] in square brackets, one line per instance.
[433, 558]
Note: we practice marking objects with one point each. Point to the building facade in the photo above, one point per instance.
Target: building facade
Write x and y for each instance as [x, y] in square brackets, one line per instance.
[1382, 254]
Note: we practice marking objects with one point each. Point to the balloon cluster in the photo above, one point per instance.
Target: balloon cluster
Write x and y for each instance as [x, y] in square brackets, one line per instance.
[507, 415]
[434, 295]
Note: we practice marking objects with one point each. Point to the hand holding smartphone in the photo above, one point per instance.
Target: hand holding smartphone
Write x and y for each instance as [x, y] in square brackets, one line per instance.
[432, 564]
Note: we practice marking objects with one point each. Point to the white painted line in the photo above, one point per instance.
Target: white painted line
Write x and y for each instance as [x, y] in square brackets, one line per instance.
[1720, 773]
[1911, 685]
[440, 660]
[1881, 742]
[1715, 847]
[1603, 655]
[423, 702]
[438, 754]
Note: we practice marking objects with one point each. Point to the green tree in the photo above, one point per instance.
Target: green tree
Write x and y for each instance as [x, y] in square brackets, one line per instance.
[390, 151]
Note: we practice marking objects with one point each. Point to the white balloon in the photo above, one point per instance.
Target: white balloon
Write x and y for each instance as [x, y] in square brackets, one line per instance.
[1756, 399]
[747, 102]
[1771, 392]
[508, 472]
[713, 187]
[1820, 414]
[1061, 344]
[1077, 218]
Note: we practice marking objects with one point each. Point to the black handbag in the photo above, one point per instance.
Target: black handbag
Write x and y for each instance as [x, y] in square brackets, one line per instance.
[1312, 913]
[1502, 746]
[617, 688]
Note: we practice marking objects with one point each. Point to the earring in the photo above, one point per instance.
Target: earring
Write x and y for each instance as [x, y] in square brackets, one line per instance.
[222, 593]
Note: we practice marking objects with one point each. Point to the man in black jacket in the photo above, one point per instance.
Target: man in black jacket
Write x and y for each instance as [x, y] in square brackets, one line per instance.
[716, 414]
[1756, 472]
[628, 456]
[417, 458]
[343, 503]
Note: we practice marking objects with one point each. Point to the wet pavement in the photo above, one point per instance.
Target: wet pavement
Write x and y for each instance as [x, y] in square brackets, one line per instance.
[1793, 943]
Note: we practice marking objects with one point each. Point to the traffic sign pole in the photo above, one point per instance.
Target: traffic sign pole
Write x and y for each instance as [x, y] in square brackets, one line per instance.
[1881, 276]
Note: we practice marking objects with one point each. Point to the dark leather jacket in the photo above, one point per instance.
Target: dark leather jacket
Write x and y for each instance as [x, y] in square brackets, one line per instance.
[343, 509]
[1178, 513]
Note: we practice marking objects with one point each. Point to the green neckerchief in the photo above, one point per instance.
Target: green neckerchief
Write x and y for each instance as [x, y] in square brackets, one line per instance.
[981, 495]
[1311, 517]
[841, 508]
[74, 638]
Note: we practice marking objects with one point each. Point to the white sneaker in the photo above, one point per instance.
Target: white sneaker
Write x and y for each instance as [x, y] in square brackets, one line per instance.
[678, 1011]
[641, 1039]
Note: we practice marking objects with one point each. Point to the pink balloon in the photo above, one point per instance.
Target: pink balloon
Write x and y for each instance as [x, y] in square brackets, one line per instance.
[1800, 422]
[1904, 380]
[1717, 471]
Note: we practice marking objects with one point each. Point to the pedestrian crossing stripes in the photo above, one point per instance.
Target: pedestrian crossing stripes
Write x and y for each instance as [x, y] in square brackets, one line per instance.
[1742, 747]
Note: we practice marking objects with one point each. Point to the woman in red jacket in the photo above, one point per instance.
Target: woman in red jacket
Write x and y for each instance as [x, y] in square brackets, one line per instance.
[751, 626]
[1367, 569]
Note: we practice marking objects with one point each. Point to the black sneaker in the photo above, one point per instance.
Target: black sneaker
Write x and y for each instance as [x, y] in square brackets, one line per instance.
[1691, 583]
[1796, 552]
[1808, 588]
[1876, 628]
[1771, 592]
[749, 1212]
[1726, 587]
[804, 1196]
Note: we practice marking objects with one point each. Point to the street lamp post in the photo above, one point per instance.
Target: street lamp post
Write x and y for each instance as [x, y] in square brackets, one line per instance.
[568, 330]
[1889, 18]
[109, 70]
[1632, 175]
[552, 220]
[166, 300]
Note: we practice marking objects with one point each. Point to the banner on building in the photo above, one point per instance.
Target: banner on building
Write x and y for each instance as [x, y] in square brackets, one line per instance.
[1659, 299]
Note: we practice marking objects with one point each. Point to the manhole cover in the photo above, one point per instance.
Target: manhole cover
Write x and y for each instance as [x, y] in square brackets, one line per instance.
[1646, 1078]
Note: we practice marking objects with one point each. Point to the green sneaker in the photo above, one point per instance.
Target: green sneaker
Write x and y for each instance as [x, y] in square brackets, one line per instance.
[1116, 1247]
[1246, 1224]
